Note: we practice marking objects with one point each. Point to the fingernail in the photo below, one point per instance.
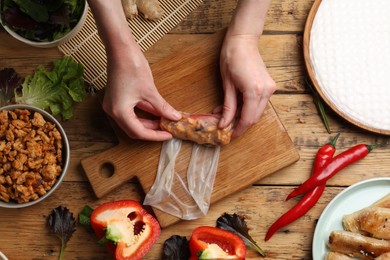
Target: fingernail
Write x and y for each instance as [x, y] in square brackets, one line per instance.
[177, 115]
[222, 122]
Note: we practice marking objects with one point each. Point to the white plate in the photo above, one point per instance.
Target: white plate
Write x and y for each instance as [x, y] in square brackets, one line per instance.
[350, 60]
[2, 256]
[351, 199]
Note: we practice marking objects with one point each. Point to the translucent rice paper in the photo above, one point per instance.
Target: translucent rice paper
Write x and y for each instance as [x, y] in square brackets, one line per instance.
[186, 198]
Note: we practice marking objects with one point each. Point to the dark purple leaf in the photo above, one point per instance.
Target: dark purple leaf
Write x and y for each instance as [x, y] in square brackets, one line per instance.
[176, 247]
[16, 18]
[9, 81]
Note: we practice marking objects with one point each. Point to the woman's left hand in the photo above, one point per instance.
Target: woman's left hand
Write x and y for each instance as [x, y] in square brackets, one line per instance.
[245, 80]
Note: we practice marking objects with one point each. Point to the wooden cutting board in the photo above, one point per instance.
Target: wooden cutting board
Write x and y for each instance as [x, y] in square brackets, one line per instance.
[189, 80]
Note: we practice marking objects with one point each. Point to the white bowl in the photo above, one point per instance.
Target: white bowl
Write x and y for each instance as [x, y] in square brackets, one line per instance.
[65, 155]
[54, 43]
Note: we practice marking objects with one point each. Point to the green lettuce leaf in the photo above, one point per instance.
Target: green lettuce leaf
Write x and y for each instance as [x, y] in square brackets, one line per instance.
[56, 90]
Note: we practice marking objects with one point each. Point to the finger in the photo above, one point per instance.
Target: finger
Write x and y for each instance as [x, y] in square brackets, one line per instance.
[150, 124]
[135, 128]
[217, 110]
[249, 114]
[229, 105]
[158, 106]
[246, 122]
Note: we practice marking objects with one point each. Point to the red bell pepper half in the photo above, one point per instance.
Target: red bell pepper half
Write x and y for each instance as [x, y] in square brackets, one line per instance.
[215, 243]
[125, 228]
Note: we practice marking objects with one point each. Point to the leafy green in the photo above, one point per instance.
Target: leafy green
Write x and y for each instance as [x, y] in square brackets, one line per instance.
[237, 224]
[55, 90]
[9, 81]
[43, 20]
[36, 11]
[320, 107]
[62, 223]
[176, 247]
[85, 216]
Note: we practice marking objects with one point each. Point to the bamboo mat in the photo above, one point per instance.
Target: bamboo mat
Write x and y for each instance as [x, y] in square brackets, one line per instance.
[87, 48]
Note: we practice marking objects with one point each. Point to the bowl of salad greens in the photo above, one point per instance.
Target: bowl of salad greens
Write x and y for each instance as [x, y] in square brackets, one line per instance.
[43, 23]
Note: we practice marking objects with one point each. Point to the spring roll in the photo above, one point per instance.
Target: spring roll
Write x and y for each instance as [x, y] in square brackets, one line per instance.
[357, 245]
[385, 256]
[376, 222]
[351, 221]
[199, 128]
[337, 256]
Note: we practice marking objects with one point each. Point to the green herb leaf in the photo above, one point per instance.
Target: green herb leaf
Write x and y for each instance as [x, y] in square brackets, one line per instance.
[237, 224]
[35, 10]
[55, 90]
[320, 107]
[85, 216]
[62, 223]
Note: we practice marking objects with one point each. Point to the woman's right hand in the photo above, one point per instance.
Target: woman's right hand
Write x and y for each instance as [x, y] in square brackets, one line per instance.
[130, 85]
[129, 78]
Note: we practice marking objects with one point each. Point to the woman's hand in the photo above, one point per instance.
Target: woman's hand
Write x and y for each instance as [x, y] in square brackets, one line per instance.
[130, 82]
[246, 82]
[130, 85]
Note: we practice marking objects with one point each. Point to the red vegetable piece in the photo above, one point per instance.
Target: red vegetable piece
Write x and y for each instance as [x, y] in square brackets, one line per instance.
[323, 157]
[338, 163]
[130, 228]
[205, 240]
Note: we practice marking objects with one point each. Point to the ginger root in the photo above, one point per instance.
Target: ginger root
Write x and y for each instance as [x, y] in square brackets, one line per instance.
[150, 9]
[130, 8]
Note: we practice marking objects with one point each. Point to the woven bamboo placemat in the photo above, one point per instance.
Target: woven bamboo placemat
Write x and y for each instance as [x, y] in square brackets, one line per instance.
[87, 48]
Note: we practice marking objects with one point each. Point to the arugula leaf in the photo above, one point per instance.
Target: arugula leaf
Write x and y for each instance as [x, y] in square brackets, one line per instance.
[9, 81]
[55, 90]
[237, 224]
[62, 223]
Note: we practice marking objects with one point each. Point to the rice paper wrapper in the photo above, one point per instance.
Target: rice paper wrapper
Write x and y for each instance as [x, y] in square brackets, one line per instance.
[186, 198]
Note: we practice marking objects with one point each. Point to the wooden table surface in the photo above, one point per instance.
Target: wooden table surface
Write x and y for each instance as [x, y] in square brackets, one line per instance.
[23, 232]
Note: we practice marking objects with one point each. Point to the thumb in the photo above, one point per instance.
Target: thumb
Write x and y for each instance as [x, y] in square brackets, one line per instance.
[157, 105]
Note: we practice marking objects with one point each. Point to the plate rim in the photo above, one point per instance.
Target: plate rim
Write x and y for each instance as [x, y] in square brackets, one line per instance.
[309, 68]
[335, 199]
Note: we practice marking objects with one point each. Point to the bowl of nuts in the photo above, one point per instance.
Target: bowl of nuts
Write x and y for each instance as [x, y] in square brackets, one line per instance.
[34, 154]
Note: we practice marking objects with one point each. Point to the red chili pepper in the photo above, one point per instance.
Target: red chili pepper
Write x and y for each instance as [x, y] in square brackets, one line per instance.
[215, 243]
[338, 163]
[125, 228]
[322, 158]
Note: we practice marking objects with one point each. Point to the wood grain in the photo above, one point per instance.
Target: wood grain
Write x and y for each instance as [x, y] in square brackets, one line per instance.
[23, 234]
[189, 81]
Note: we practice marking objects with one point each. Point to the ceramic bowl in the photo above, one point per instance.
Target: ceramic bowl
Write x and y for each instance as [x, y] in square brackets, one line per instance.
[50, 44]
[2, 256]
[65, 155]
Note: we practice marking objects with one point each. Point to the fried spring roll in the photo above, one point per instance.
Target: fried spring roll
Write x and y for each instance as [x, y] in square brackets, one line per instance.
[351, 221]
[385, 256]
[357, 245]
[376, 222]
[337, 256]
[199, 128]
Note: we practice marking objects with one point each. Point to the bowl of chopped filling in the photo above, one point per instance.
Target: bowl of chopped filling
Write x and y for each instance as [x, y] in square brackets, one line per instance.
[44, 23]
[34, 152]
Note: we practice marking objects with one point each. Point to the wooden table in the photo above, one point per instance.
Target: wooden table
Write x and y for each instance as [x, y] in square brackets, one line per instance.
[23, 234]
